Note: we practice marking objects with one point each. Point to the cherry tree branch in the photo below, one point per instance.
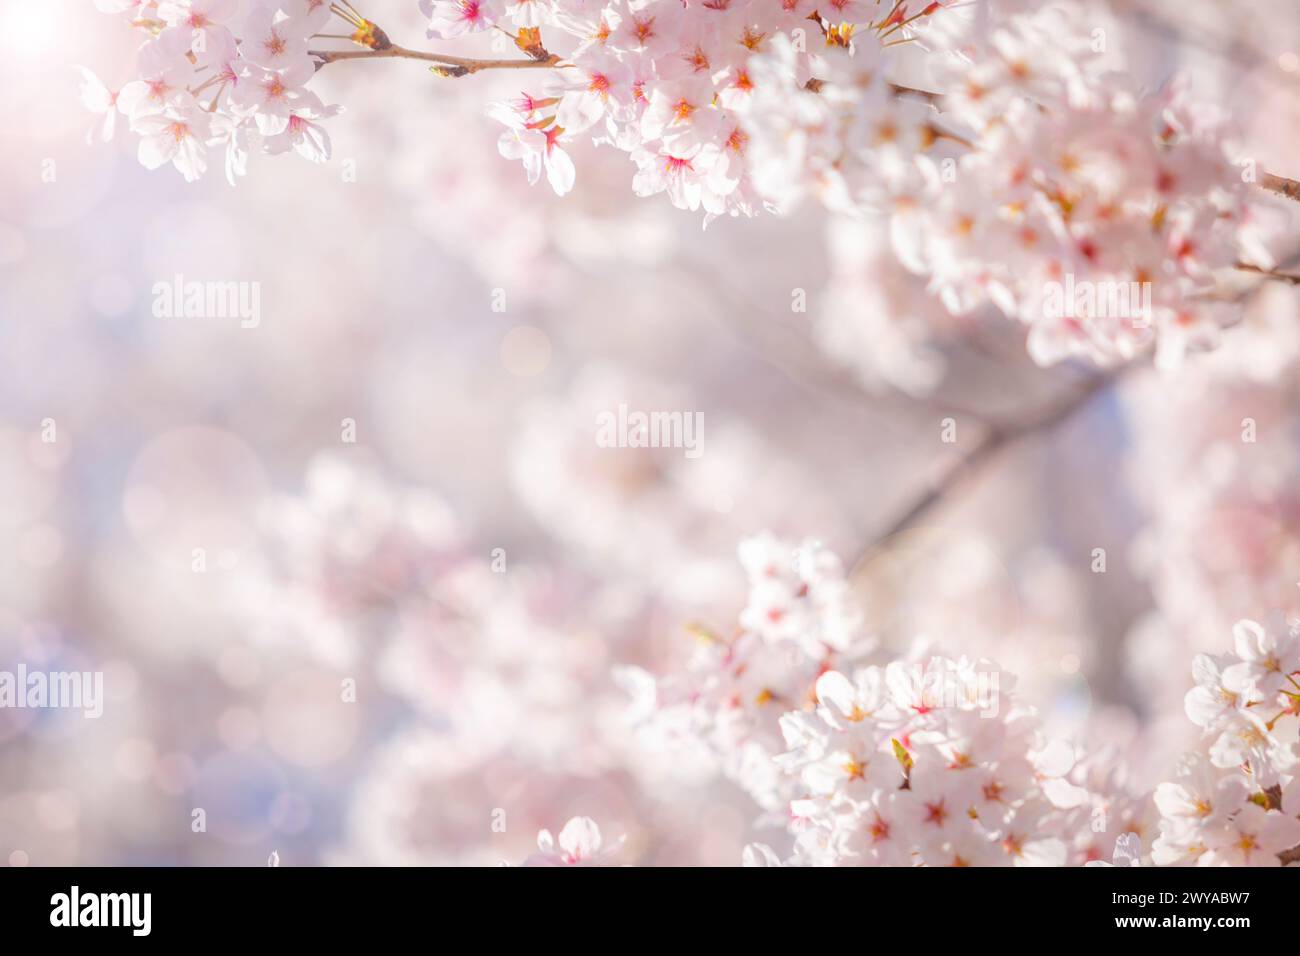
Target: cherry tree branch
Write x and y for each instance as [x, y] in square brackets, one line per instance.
[1289, 188]
[1268, 273]
[377, 46]
[457, 65]
[1212, 37]
[900, 90]
[994, 440]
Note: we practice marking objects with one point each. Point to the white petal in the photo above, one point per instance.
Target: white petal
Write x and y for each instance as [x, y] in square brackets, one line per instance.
[580, 838]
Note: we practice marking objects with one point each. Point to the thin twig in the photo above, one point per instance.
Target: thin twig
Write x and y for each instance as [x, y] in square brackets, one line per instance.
[926, 95]
[460, 63]
[990, 442]
[1268, 273]
[1289, 188]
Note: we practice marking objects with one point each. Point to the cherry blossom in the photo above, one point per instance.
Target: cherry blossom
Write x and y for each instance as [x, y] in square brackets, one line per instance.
[200, 26]
[1267, 659]
[270, 96]
[215, 73]
[579, 844]
[536, 143]
[176, 135]
[925, 759]
[454, 18]
[102, 101]
[303, 133]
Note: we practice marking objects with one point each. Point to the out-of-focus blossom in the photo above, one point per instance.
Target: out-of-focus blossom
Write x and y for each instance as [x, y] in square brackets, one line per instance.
[579, 844]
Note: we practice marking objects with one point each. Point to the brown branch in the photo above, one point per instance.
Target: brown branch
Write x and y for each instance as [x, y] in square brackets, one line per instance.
[1268, 273]
[967, 464]
[926, 95]
[1184, 29]
[814, 85]
[1289, 188]
[457, 65]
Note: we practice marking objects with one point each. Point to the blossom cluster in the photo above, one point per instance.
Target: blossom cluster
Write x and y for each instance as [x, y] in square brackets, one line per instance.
[728, 107]
[922, 760]
[929, 760]
[341, 557]
[1035, 177]
[217, 76]
[1236, 799]
[799, 622]
[1068, 179]
[1081, 182]
[501, 666]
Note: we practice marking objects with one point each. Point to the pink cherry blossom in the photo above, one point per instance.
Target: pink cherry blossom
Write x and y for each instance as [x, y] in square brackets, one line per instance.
[579, 844]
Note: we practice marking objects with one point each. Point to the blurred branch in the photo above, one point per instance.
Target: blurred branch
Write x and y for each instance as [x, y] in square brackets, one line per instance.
[1242, 295]
[900, 90]
[1268, 273]
[1186, 30]
[1289, 188]
[994, 440]
[1280, 185]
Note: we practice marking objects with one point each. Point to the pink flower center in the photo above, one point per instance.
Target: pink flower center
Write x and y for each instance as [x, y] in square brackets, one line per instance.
[644, 29]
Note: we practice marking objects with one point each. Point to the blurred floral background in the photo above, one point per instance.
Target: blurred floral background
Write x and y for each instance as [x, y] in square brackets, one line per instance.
[391, 483]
